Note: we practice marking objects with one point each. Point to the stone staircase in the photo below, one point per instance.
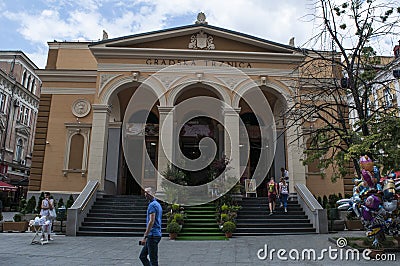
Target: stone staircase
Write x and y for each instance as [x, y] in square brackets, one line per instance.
[254, 220]
[200, 224]
[117, 215]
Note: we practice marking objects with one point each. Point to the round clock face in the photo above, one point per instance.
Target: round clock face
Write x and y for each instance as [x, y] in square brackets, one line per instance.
[81, 108]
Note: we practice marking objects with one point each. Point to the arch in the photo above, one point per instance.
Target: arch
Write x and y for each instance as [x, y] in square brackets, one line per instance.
[121, 83]
[175, 92]
[281, 91]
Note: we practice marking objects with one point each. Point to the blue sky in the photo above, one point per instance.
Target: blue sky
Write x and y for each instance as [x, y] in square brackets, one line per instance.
[28, 25]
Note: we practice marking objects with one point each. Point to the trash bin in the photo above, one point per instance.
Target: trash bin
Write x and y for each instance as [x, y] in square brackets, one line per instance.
[61, 216]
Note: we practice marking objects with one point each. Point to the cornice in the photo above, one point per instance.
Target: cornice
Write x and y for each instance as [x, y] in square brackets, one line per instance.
[68, 75]
[88, 91]
[116, 52]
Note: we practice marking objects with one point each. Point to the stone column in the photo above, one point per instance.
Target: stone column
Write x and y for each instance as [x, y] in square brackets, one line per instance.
[165, 140]
[98, 144]
[231, 140]
[297, 171]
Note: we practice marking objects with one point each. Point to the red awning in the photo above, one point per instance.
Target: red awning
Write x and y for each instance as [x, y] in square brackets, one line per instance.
[7, 187]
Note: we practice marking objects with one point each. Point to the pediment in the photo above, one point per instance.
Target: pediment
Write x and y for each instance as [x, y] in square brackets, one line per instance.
[197, 37]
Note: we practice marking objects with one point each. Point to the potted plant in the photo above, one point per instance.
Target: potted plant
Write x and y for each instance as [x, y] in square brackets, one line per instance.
[228, 228]
[173, 229]
[352, 222]
[16, 225]
[179, 218]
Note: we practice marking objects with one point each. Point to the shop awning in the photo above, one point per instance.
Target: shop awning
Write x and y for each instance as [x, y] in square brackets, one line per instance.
[7, 187]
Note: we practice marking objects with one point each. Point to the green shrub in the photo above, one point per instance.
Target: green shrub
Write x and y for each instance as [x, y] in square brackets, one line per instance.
[173, 227]
[60, 203]
[324, 201]
[17, 217]
[175, 207]
[225, 208]
[30, 206]
[39, 204]
[70, 201]
[22, 206]
[228, 227]
[179, 218]
[224, 217]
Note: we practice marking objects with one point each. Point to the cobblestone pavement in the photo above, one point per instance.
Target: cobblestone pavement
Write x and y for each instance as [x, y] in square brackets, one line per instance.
[16, 249]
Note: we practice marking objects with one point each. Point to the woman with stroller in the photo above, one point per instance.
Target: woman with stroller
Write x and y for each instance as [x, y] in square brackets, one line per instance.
[47, 206]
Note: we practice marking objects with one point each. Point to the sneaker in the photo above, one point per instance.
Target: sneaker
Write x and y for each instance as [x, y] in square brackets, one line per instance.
[270, 213]
[281, 205]
[51, 239]
[285, 210]
[43, 239]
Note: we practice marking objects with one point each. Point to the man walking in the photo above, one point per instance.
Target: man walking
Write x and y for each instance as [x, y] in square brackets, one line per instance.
[152, 236]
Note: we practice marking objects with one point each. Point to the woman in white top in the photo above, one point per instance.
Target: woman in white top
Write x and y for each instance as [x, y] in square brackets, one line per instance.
[47, 205]
[284, 192]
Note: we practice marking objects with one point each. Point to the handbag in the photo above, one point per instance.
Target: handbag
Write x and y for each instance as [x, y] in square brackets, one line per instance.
[52, 214]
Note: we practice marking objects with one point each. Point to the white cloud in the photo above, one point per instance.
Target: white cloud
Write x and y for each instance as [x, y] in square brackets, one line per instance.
[85, 19]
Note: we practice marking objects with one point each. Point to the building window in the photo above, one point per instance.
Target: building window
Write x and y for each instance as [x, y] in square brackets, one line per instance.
[387, 98]
[3, 103]
[77, 148]
[76, 152]
[18, 150]
[23, 81]
[26, 116]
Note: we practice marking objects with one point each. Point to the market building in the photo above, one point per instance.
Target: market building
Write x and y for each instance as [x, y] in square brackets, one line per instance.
[87, 87]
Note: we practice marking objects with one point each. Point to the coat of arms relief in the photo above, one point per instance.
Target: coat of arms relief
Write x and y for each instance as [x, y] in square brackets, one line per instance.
[202, 40]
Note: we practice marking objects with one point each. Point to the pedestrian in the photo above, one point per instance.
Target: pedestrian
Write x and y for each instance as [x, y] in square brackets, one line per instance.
[272, 188]
[152, 235]
[285, 175]
[284, 192]
[46, 209]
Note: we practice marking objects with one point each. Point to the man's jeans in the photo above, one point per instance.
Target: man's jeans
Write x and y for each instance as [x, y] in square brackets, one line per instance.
[151, 249]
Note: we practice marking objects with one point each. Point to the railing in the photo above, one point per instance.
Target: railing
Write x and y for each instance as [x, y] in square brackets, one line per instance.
[312, 208]
[81, 206]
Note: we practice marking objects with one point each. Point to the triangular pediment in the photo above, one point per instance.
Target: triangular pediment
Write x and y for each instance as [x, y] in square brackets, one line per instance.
[197, 37]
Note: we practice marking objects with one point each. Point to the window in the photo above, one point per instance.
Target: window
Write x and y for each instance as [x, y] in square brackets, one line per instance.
[23, 79]
[3, 102]
[26, 116]
[387, 98]
[18, 150]
[76, 152]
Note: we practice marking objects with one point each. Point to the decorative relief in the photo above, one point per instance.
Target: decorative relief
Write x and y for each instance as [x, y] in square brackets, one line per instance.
[231, 82]
[81, 108]
[168, 80]
[104, 78]
[202, 40]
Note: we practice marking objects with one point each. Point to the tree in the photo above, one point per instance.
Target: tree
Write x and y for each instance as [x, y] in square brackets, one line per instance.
[340, 81]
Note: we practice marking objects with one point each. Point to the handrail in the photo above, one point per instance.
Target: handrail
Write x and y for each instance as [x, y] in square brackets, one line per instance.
[86, 194]
[312, 208]
[90, 196]
[80, 208]
[308, 198]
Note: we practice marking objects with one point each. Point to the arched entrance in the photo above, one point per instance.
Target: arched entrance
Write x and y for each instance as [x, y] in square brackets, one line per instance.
[118, 172]
[197, 127]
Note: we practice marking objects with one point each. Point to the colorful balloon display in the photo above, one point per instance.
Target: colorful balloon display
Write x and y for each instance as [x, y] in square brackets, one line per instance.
[376, 200]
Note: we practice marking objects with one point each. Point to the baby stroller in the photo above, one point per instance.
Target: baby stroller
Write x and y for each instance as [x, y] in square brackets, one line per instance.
[39, 225]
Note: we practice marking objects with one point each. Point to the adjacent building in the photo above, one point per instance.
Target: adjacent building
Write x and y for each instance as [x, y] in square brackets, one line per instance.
[19, 103]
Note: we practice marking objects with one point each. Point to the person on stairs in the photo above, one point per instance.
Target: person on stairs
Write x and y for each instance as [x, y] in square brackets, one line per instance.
[272, 188]
[284, 192]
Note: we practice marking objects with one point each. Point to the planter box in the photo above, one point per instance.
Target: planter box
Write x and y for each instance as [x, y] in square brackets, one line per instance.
[15, 226]
[354, 225]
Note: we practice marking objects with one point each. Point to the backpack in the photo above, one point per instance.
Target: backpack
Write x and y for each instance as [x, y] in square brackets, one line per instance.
[271, 187]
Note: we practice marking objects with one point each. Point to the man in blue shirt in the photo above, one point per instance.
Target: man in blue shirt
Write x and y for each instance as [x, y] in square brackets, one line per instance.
[152, 236]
